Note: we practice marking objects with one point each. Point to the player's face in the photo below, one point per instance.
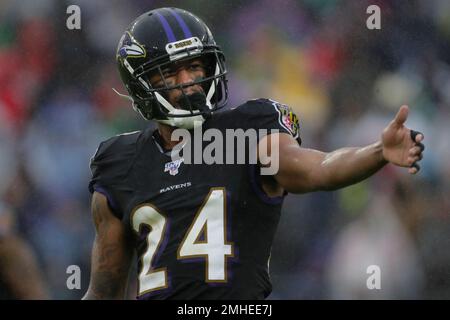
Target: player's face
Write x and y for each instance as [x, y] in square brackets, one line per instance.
[184, 72]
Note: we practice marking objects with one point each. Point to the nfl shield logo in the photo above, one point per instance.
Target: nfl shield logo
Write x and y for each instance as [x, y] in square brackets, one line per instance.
[173, 166]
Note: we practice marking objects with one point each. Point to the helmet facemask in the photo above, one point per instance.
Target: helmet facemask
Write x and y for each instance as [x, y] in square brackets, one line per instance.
[152, 102]
[196, 106]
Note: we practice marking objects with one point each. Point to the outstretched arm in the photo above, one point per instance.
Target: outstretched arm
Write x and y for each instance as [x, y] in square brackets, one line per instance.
[111, 254]
[304, 170]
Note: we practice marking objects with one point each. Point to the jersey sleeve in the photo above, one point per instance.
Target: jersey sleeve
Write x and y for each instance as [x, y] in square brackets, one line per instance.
[109, 167]
[271, 115]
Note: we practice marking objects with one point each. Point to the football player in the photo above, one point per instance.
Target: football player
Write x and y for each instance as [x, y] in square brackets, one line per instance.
[204, 231]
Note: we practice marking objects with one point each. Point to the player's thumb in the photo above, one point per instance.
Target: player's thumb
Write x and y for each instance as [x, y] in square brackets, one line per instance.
[401, 116]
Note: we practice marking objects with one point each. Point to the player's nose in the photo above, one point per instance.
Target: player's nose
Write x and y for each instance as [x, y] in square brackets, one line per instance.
[184, 76]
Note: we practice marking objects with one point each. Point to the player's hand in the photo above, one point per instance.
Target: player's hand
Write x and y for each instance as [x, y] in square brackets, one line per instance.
[402, 146]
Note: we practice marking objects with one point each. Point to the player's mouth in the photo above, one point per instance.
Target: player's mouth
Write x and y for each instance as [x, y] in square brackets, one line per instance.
[192, 101]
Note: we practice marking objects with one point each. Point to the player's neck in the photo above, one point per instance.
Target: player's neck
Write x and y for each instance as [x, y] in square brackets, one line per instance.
[165, 132]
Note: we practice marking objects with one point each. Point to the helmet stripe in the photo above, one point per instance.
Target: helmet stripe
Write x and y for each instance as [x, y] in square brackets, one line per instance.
[183, 25]
[169, 32]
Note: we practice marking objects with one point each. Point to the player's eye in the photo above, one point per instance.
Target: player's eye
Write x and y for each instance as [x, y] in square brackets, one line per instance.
[196, 66]
[168, 72]
[156, 81]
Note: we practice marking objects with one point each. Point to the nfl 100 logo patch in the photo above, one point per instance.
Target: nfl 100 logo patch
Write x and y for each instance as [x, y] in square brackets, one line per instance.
[173, 166]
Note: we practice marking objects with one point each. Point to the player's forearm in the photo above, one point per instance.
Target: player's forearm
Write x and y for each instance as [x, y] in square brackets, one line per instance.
[109, 275]
[106, 286]
[111, 254]
[347, 166]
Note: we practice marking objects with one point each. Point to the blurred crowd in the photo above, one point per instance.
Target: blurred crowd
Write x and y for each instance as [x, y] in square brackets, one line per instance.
[344, 81]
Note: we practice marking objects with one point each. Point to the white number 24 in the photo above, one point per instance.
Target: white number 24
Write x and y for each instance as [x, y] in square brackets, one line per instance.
[210, 221]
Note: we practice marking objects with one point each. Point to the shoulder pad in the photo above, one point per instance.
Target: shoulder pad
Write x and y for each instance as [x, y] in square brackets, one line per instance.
[271, 114]
[112, 159]
[116, 145]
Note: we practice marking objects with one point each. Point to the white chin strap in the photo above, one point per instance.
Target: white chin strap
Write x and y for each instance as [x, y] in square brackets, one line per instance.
[212, 89]
[179, 122]
[187, 122]
[184, 122]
